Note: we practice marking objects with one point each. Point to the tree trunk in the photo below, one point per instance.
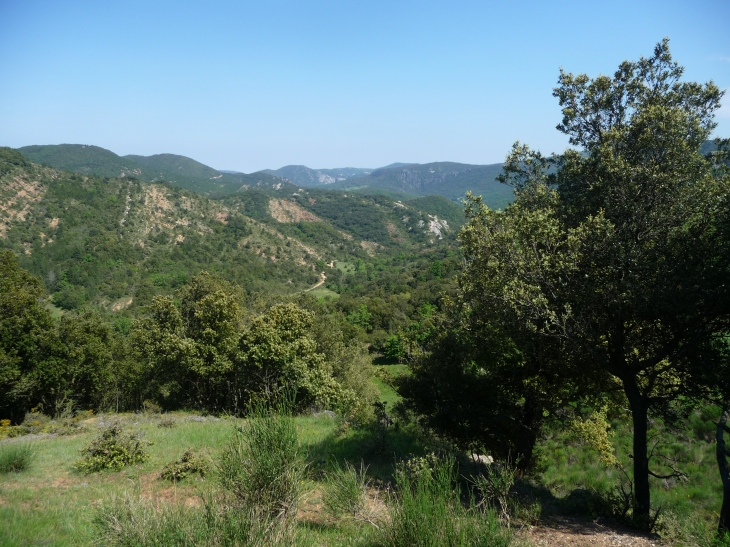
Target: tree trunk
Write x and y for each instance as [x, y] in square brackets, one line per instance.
[723, 525]
[527, 435]
[639, 416]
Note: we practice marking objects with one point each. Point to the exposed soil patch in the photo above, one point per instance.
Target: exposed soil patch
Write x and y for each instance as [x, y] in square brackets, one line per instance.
[122, 303]
[17, 196]
[156, 198]
[287, 211]
[573, 532]
[370, 247]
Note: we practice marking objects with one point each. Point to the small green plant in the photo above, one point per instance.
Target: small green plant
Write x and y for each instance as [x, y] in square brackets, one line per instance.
[189, 464]
[345, 491]
[112, 449]
[135, 522]
[15, 457]
[419, 466]
[261, 465]
[494, 486]
[427, 511]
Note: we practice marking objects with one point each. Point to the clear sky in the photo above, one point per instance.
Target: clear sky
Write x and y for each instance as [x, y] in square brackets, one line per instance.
[251, 85]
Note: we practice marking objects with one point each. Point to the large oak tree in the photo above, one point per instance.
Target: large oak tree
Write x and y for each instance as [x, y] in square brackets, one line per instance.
[615, 252]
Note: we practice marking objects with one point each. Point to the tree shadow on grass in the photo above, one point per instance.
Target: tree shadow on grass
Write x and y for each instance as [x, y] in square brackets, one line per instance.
[378, 452]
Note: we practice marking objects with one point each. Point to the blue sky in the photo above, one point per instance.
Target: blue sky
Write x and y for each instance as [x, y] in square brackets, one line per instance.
[254, 85]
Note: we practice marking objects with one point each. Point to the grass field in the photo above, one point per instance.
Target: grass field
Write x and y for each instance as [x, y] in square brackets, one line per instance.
[53, 504]
[50, 503]
[345, 267]
[323, 293]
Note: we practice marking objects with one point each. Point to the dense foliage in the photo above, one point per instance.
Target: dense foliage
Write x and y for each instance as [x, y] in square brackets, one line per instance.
[608, 274]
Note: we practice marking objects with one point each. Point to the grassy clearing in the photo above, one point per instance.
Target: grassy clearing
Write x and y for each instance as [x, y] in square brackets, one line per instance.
[324, 293]
[50, 502]
[53, 503]
[345, 267]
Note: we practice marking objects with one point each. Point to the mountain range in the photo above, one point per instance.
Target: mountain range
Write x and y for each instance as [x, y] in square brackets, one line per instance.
[115, 242]
[400, 180]
[177, 170]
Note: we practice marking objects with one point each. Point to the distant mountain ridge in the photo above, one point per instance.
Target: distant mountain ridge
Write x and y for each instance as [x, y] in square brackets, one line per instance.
[398, 180]
[448, 179]
[177, 170]
[305, 176]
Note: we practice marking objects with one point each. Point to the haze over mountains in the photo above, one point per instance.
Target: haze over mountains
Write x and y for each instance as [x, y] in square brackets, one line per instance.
[403, 180]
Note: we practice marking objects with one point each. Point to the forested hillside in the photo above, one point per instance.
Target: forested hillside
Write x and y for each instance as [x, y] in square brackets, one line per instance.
[451, 180]
[177, 170]
[113, 243]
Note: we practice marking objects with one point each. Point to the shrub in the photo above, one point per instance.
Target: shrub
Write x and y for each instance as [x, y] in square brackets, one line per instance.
[261, 465]
[345, 491]
[189, 464]
[16, 457]
[134, 522]
[428, 512]
[112, 449]
[167, 423]
[494, 486]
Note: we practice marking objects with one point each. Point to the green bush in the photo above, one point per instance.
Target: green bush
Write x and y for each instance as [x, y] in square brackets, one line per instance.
[345, 491]
[134, 522]
[16, 457]
[112, 449]
[189, 464]
[261, 465]
[428, 513]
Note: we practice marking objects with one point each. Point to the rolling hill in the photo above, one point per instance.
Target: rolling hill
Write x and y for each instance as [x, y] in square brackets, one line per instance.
[304, 176]
[177, 170]
[115, 242]
[451, 180]
[398, 181]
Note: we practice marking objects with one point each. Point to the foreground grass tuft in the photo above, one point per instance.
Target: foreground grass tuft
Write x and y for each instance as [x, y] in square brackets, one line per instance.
[345, 491]
[135, 522]
[16, 457]
[262, 466]
[428, 512]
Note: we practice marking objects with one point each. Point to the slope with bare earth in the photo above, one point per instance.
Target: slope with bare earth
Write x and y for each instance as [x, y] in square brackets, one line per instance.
[106, 241]
[117, 242]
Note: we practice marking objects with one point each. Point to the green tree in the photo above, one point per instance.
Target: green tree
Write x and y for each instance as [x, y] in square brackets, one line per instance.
[617, 252]
[90, 356]
[27, 338]
[189, 350]
[277, 354]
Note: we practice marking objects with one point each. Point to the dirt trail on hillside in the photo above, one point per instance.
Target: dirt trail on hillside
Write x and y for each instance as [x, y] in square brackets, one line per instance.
[322, 279]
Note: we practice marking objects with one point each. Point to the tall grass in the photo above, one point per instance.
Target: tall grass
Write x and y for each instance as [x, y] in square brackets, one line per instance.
[16, 457]
[262, 466]
[428, 512]
[135, 522]
[344, 493]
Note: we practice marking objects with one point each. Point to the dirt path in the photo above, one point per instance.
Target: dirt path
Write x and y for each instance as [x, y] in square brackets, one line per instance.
[321, 281]
[568, 532]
